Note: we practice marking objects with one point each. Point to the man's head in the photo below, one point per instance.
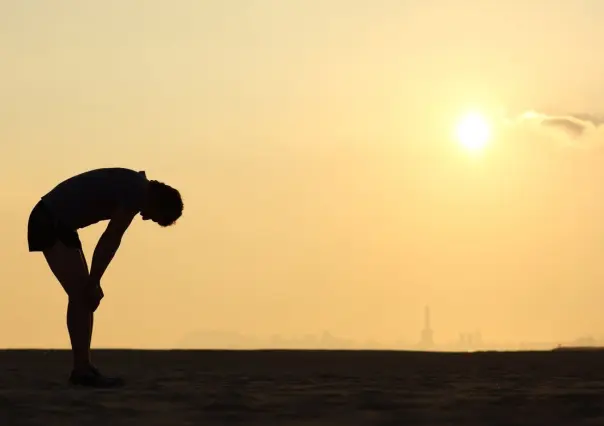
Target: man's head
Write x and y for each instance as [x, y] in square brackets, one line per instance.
[163, 204]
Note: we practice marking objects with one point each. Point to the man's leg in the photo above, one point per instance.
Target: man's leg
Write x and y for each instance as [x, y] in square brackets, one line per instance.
[69, 267]
[92, 315]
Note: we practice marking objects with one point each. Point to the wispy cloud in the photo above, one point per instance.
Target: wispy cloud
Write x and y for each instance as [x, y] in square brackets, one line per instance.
[572, 130]
[569, 125]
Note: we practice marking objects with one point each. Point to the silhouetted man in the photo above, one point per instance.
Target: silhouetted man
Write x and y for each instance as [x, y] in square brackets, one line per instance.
[113, 194]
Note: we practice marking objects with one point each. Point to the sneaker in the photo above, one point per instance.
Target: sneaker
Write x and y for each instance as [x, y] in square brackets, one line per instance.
[94, 379]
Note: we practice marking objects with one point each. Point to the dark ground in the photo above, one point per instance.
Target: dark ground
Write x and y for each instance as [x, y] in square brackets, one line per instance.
[308, 388]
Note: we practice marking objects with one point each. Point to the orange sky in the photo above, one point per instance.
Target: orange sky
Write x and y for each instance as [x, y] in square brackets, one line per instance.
[312, 143]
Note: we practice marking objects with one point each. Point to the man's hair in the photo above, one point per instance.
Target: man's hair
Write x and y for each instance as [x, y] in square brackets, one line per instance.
[168, 200]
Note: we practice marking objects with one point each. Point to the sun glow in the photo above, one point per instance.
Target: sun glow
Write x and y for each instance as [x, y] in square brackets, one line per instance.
[473, 132]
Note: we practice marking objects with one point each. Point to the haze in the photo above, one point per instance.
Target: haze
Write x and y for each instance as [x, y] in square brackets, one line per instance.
[311, 141]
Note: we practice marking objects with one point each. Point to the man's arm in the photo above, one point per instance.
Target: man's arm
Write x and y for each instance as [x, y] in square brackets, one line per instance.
[109, 243]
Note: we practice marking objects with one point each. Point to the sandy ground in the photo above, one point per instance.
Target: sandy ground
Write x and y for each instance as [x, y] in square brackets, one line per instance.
[308, 388]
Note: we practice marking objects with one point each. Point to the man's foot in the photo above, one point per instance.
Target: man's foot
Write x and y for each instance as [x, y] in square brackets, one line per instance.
[94, 379]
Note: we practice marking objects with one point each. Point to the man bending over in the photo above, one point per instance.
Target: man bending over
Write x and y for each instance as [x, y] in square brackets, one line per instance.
[113, 194]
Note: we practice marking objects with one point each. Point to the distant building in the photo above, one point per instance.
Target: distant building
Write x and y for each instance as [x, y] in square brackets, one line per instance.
[470, 341]
[427, 339]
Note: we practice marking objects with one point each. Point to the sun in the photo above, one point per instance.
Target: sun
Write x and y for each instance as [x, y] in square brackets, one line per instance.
[473, 132]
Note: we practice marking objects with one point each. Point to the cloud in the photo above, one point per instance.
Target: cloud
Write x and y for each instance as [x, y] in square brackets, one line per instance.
[595, 119]
[581, 130]
[572, 127]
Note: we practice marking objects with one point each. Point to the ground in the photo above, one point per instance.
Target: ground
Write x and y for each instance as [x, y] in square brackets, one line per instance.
[308, 388]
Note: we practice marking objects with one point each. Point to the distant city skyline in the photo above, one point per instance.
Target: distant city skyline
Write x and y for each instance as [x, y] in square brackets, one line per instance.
[466, 341]
[325, 340]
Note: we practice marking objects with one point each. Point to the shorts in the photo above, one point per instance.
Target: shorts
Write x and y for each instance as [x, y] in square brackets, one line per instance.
[44, 230]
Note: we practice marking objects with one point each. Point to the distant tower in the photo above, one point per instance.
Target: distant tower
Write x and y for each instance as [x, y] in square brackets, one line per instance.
[427, 340]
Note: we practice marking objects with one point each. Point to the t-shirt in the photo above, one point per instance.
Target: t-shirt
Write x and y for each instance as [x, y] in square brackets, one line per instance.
[93, 196]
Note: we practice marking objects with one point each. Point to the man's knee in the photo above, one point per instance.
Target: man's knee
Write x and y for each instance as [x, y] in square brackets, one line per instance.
[79, 300]
[86, 298]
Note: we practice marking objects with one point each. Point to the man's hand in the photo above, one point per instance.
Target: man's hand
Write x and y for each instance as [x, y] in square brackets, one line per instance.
[94, 293]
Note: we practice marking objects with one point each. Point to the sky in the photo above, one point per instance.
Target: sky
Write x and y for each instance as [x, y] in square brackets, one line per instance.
[313, 144]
